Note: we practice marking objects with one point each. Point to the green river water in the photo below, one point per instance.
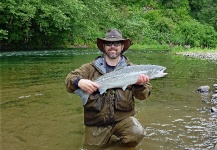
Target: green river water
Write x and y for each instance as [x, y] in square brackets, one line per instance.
[38, 114]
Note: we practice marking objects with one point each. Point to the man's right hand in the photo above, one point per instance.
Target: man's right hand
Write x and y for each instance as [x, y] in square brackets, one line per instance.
[88, 85]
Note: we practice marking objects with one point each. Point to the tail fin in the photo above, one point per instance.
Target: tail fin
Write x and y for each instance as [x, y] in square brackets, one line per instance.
[84, 95]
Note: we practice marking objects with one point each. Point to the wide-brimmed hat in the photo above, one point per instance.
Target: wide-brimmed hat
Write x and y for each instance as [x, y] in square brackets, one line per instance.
[113, 35]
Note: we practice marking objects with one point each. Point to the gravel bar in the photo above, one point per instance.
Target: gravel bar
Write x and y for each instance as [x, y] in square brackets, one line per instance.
[201, 55]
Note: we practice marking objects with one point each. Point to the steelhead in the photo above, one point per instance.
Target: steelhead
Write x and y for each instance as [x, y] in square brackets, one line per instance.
[122, 77]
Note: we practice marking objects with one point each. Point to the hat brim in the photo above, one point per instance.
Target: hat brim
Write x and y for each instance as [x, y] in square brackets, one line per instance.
[126, 43]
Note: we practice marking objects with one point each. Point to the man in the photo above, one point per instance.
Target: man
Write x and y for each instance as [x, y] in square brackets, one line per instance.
[110, 113]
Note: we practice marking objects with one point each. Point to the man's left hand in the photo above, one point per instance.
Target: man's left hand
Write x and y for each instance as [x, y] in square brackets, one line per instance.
[142, 79]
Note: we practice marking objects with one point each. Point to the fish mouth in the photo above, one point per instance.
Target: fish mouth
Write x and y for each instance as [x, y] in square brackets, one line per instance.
[164, 73]
[163, 69]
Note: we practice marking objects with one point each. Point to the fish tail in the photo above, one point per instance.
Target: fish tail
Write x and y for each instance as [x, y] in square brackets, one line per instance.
[84, 95]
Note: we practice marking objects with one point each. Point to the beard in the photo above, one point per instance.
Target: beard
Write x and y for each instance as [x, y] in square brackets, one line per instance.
[113, 54]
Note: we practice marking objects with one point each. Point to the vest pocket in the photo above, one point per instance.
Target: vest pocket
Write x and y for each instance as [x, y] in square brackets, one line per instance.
[94, 102]
[124, 100]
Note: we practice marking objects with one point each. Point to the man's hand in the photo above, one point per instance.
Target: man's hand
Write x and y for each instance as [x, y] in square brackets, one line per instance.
[88, 85]
[142, 79]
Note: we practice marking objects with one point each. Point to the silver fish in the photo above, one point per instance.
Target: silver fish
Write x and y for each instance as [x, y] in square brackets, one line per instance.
[122, 77]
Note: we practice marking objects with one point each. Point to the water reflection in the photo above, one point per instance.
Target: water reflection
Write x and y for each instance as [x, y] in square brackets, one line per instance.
[36, 108]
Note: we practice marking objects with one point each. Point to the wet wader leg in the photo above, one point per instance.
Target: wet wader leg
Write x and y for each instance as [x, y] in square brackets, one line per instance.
[98, 136]
[130, 132]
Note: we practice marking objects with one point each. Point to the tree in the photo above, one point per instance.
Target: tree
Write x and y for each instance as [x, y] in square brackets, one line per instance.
[205, 11]
[38, 23]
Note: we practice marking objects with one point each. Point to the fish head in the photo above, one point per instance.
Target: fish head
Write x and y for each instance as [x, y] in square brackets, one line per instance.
[155, 71]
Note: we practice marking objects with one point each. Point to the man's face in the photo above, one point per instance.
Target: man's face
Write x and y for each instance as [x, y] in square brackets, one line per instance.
[113, 49]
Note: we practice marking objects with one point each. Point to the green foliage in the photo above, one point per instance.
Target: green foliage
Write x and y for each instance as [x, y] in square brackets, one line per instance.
[16, 19]
[94, 20]
[196, 34]
[175, 4]
[160, 27]
[205, 11]
[61, 23]
[3, 34]
[38, 23]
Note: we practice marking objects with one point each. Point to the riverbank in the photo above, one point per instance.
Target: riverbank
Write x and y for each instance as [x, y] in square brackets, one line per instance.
[202, 55]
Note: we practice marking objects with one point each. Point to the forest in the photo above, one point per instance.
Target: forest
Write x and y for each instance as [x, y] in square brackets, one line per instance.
[53, 24]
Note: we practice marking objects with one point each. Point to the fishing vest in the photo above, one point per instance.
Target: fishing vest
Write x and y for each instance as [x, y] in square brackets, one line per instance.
[112, 106]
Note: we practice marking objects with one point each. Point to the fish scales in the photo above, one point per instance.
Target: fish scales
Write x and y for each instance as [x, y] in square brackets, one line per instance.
[122, 77]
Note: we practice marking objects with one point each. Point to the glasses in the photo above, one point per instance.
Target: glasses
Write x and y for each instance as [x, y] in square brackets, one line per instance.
[116, 43]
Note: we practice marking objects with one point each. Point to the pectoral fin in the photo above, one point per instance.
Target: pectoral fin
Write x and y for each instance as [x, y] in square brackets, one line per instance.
[124, 87]
[101, 91]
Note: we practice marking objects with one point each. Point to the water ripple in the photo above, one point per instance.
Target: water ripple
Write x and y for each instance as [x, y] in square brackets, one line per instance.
[193, 132]
[51, 52]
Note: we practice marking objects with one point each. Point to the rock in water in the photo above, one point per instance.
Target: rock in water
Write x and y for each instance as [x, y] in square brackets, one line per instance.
[203, 89]
[213, 109]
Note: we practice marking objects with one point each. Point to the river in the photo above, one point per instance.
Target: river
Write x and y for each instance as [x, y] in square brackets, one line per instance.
[38, 114]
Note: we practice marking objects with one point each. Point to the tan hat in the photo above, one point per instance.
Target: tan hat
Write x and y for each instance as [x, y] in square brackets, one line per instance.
[113, 35]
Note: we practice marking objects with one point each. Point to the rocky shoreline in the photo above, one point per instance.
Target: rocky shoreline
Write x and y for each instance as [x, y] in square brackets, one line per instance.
[201, 55]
